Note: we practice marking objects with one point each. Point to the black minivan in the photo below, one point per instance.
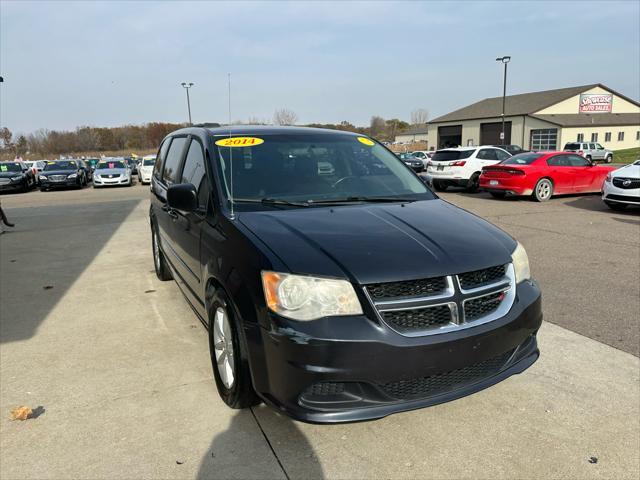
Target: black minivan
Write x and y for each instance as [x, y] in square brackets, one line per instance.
[334, 285]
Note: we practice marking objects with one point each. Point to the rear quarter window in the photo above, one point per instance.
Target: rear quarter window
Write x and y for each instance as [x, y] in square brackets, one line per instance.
[572, 146]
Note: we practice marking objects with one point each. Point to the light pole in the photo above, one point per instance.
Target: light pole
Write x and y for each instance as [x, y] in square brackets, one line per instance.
[187, 86]
[504, 60]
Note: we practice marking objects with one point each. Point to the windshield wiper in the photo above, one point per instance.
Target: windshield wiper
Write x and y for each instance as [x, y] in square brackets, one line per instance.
[271, 202]
[363, 200]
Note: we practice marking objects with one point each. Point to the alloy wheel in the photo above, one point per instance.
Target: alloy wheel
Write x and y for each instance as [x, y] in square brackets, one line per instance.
[223, 346]
[543, 190]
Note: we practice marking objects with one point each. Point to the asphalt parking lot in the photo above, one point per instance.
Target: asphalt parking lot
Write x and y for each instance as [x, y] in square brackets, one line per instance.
[120, 364]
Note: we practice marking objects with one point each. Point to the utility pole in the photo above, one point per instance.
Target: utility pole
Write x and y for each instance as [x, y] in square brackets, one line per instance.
[504, 60]
[187, 86]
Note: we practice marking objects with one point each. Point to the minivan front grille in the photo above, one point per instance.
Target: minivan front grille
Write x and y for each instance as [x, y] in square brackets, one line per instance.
[447, 381]
[481, 306]
[418, 319]
[415, 288]
[478, 278]
[443, 304]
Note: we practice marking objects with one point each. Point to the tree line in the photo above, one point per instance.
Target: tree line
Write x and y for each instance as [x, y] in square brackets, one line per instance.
[148, 136]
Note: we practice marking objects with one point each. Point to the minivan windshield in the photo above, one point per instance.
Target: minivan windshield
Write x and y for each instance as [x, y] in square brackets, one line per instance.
[445, 155]
[63, 165]
[315, 168]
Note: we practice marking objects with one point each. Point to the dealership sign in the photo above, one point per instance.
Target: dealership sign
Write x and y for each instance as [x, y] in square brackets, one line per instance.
[595, 102]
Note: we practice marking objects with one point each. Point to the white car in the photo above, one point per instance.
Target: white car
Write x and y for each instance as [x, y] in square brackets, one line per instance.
[621, 187]
[36, 167]
[462, 166]
[145, 168]
[112, 172]
[424, 156]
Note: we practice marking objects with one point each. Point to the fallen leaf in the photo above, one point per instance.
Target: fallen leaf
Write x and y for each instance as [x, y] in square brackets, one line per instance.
[21, 413]
[593, 460]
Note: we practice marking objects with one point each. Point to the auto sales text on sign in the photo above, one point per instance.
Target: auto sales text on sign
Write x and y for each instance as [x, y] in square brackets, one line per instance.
[595, 102]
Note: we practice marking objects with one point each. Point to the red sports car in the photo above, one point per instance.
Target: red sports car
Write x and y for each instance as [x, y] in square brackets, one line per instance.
[543, 174]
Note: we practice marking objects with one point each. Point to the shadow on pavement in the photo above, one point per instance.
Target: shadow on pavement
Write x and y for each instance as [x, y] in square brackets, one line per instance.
[594, 203]
[239, 451]
[43, 256]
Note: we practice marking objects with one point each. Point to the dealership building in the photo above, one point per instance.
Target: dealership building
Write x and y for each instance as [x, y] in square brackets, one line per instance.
[543, 120]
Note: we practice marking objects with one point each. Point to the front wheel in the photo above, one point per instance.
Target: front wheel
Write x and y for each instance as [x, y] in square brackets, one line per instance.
[229, 357]
[543, 190]
[616, 206]
[162, 269]
[439, 186]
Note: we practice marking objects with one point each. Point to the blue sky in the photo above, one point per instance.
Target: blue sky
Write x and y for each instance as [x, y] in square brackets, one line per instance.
[67, 64]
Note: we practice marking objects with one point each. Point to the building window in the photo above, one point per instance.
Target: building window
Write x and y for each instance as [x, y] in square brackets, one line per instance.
[621, 136]
[638, 135]
[594, 137]
[544, 139]
[580, 137]
[607, 137]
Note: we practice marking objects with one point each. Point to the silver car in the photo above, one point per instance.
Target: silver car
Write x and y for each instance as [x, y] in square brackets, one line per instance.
[592, 151]
[112, 172]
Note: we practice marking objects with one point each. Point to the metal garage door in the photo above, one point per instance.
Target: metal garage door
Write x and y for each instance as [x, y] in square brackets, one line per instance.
[490, 133]
[450, 136]
[544, 139]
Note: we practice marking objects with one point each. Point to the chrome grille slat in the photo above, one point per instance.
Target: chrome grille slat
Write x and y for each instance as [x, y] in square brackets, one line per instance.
[427, 315]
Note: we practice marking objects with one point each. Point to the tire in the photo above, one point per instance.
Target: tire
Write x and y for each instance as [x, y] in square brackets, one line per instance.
[474, 183]
[543, 190]
[231, 356]
[498, 194]
[160, 264]
[609, 158]
[42, 189]
[439, 186]
[616, 206]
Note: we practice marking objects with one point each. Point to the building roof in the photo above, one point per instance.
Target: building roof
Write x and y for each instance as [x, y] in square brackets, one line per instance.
[522, 104]
[414, 130]
[587, 120]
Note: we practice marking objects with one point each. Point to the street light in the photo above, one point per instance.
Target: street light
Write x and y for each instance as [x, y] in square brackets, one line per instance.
[504, 60]
[187, 86]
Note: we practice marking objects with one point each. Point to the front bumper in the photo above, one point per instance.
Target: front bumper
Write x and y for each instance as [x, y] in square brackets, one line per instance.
[366, 371]
[629, 196]
[105, 182]
[69, 182]
[10, 187]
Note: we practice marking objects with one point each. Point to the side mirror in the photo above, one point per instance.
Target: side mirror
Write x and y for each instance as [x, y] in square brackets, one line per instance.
[182, 197]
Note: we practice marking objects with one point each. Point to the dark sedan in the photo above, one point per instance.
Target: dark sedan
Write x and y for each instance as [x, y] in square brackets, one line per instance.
[416, 164]
[62, 173]
[16, 176]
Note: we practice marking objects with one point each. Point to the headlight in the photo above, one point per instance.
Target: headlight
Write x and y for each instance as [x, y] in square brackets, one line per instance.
[520, 263]
[73, 175]
[309, 298]
[608, 178]
[42, 177]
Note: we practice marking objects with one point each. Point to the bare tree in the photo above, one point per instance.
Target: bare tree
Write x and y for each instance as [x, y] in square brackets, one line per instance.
[5, 138]
[419, 116]
[254, 120]
[285, 116]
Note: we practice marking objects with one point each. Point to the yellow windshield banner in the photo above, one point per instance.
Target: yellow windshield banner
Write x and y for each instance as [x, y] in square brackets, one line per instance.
[239, 142]
[366, 141]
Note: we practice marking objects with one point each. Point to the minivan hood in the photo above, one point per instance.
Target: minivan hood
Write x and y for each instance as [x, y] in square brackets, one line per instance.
[381, 243]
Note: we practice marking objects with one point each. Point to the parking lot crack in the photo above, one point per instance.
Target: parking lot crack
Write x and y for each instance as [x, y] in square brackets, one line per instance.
[266, 438]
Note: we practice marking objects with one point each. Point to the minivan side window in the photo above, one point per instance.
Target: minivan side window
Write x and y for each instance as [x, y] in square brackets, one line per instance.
[157, 168]
[194, 172]
[172, 163]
